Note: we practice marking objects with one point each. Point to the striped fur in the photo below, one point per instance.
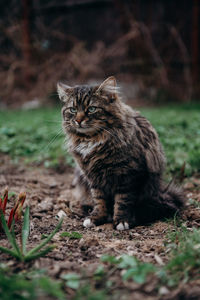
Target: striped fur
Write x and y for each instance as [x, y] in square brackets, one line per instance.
[119, 157]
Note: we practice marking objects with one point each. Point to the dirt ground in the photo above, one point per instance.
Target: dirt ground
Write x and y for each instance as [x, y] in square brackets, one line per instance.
[49, 193]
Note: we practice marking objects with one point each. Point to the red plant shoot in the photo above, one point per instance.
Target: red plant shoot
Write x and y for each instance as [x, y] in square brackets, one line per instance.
[16, 211]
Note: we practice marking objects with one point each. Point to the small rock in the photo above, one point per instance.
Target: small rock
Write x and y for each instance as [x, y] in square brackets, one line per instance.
[159, 259]
[163, 290]
[189, 195]
[45, 205]
[52, 184]
[136, 234]
[37, 215]
[88, 242]
[61, 214]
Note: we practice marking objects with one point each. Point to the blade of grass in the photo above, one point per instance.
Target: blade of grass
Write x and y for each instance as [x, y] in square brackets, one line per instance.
[7, 232]
[41, 253]
[37, 248]
[8, 251]
[15, 243]
[25, 230]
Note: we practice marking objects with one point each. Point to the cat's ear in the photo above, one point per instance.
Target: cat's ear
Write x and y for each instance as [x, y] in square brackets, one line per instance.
[109, 84]
[64, 91]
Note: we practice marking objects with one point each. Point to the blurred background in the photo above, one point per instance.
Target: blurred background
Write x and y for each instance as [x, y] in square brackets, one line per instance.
[152, 47]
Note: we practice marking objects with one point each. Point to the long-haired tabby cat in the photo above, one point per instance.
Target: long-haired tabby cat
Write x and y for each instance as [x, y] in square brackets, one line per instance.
[119, 158]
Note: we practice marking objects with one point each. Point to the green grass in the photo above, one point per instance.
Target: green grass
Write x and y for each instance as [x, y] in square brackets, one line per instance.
[32, 135]
[179, 131]
[35, 135]
[28, 286]
[184, 253]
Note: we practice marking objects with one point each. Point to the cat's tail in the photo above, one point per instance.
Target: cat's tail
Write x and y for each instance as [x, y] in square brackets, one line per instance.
[172, 199]
[163, 202]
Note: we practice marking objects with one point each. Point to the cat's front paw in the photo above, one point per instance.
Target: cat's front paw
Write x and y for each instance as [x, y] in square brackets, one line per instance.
[122, 226]
[88, 223]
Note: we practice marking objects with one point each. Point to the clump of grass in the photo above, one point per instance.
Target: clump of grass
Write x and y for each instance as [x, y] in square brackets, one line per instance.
[28, 286]
[184, 263]
[20, 251]
[133, 268]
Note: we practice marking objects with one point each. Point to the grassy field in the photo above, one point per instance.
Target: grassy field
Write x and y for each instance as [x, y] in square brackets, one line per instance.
[37, 136]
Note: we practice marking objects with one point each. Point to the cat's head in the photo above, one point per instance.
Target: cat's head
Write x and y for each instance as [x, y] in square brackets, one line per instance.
[87, 109]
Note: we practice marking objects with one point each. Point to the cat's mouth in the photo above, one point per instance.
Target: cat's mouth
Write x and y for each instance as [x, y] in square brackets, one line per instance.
[85, 129]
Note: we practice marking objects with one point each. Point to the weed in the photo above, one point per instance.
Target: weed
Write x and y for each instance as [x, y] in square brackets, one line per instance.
[134, 269]
[28, 286]
[184, 263]
[20, 252]
[71, 235]
[16, 211]
[72, 280]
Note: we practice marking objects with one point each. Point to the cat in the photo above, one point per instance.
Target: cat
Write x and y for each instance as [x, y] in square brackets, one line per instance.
[119, 158]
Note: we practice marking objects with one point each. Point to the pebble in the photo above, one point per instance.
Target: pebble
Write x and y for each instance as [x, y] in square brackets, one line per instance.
[163, 290]
[61, 214]
[45, 205]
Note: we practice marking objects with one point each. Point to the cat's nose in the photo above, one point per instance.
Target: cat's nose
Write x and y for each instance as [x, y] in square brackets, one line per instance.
[79, 118]
[79, 121]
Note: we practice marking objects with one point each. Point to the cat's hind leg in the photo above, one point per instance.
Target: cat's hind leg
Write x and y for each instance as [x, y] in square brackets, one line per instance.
[81, 203]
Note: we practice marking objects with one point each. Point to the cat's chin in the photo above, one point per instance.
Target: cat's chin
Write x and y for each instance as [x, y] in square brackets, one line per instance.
[85, 130]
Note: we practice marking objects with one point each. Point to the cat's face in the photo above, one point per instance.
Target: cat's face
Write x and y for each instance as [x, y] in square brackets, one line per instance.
[88, 110]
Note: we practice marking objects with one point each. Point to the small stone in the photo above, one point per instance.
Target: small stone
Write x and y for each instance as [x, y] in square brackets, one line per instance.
[61, 214]
[37, 215]
[163, 290]
[88, 242]
[159, 259]
[45, 205]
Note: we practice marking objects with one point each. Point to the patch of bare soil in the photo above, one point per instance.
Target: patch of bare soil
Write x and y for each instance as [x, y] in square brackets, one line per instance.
[50, 194]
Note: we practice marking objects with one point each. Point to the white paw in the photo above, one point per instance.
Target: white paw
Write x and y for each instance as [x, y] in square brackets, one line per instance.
[87, 223]
[122, 226]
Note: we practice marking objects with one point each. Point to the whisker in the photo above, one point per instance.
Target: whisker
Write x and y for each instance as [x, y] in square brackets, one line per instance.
[115, 137]
[51, 141]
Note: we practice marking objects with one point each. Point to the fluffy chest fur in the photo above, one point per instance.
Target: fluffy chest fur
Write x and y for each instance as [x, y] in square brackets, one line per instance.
[84, 148]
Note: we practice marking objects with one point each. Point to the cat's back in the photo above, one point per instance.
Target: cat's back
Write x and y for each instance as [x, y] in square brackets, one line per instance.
[145, 139]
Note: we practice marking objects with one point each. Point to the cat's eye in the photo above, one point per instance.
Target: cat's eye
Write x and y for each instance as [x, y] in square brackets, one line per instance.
[73, 110]
[91, 109]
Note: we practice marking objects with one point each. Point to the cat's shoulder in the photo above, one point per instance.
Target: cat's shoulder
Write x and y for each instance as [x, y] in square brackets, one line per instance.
[140, 120]
[136, 115]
